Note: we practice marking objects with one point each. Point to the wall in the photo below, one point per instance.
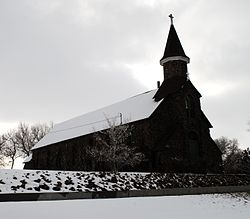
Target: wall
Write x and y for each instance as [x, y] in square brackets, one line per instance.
[121, 194]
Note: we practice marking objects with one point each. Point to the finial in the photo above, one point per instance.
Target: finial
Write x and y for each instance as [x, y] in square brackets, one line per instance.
[171, 18]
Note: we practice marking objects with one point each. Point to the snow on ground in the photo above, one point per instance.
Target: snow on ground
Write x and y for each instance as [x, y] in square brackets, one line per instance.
[32, 181]
[191, 206]
[210, 206]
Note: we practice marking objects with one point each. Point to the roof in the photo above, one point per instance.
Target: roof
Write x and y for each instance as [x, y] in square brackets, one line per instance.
[169, 86]
[132, 109]
[173, 45]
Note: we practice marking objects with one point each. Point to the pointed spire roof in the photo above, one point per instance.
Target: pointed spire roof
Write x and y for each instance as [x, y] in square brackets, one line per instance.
[173, 49]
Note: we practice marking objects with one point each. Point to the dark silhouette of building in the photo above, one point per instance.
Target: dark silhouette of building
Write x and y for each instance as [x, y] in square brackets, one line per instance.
[169, 126]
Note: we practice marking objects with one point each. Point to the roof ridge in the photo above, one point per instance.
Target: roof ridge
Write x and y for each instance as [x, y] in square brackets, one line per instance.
[106, 106]
[131, 109]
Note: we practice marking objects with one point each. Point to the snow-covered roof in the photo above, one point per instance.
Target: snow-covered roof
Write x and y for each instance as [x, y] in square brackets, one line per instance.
[132, 109]
[28, 159]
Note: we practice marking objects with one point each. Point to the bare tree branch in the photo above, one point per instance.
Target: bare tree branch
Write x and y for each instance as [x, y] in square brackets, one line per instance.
[231, 154]
[10, 149]
[18, 142]
[2, 142]
[113, 147]
[27, 136]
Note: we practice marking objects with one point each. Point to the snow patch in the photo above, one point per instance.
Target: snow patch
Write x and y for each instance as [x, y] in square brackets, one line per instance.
[32, 181]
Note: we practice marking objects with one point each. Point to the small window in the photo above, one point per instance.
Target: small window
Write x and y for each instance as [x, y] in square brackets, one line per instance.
[194, 146]
[190, 106]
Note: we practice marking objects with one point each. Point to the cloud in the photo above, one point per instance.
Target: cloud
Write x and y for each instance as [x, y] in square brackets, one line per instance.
[59, 58]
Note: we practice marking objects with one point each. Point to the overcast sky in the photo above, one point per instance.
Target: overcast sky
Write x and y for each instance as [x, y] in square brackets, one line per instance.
[60, 59]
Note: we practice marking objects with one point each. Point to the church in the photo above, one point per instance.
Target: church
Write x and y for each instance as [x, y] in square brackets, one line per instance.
[169, 127]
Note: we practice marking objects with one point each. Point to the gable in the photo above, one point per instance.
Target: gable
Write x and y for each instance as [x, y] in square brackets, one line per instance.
[189, 85]
[169, 86]
[130, 110]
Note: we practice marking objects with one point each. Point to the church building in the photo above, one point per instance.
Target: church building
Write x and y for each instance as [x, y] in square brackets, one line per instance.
[169, 127]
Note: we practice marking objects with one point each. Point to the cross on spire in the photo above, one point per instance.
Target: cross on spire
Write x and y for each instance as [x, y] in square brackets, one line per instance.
[171, 18]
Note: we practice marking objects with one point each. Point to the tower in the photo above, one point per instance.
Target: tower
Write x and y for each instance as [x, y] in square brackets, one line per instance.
[174, 63]
[174, 60]
[186, 134]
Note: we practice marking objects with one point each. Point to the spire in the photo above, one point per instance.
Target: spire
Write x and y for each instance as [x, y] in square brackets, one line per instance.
[173, 50]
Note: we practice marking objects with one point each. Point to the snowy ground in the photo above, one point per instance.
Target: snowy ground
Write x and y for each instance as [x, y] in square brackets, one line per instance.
[33, 181]
[210, 206]
[222, 206]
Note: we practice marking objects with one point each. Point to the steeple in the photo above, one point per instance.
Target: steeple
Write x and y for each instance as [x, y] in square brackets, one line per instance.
[174, 60]
[173, 49]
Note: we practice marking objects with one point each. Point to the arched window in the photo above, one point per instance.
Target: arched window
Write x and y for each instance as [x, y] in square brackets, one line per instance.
[190, 106]
[194, 146]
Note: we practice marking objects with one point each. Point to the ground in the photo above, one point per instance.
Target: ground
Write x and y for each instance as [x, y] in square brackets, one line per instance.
[35, 181]
[209, 206]
[214, 206]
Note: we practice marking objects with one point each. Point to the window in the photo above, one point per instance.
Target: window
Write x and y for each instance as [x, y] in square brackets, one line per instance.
[194, 147]
[190, 106]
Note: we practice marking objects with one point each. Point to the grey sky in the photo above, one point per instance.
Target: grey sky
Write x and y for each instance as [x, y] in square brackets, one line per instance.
[60, 59]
